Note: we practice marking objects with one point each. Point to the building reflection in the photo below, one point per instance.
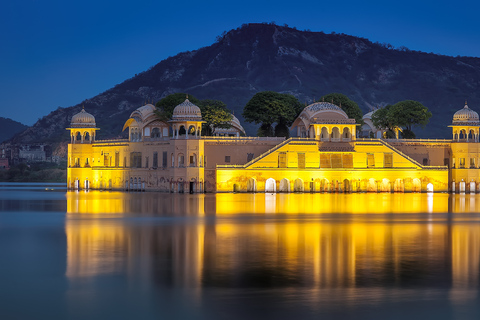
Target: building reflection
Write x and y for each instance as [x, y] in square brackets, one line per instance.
[299, 239]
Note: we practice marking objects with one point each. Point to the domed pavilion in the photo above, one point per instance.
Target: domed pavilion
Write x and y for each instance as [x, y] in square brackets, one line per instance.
[326, 122]
[82, 127]
[186, 120]
[465, 125]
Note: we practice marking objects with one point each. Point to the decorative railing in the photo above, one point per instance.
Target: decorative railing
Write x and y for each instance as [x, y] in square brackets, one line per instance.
[419, 140]
[111, 141]
[244, 138]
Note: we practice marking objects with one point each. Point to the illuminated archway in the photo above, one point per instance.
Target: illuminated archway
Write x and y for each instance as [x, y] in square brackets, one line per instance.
[298, 185]
[336, 133]
[252, 185]
[385, 186]
[398, 186]
[270, 185]
[372, 185]
[416, 185]
[430, 187]
[346, 185]
[472, 186]
[347, 136]
[324, 134]
[471, 135]
[325, 185]
[284, 185]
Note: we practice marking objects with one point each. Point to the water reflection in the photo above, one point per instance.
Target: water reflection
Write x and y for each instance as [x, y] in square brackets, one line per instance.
[258, 240]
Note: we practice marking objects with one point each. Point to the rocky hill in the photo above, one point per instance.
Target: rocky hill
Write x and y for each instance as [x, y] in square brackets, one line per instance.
[258, 57]
[9, 127]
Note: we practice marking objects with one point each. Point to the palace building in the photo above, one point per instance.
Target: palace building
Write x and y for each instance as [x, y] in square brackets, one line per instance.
[326, 156]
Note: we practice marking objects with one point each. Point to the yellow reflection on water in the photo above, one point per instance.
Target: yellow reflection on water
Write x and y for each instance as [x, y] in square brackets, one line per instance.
[208, 240]
[228, 203]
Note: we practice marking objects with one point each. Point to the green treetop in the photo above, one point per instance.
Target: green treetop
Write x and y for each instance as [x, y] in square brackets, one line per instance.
[214, 112]
[350, 107]
[406, 114]
[269, 107]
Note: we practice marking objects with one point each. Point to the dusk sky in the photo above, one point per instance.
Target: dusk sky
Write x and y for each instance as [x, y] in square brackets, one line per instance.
[59, 53]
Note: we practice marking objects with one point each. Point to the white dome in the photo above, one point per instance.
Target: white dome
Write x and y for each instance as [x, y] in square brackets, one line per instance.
[83, 119]
[466, 116]
[368, 115]
[187, 111]
[325, 112]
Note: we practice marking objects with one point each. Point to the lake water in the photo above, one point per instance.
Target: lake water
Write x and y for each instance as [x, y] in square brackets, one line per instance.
[115, 255]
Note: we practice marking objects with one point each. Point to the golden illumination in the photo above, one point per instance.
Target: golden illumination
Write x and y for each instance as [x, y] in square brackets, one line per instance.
[330, 239]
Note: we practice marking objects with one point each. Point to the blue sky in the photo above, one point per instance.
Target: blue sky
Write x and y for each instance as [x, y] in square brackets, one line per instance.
[58, 53]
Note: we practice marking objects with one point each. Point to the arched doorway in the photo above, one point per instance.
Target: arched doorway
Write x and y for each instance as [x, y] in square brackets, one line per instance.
[252, 185]
[372, 185]
[284, 185]
[346, 185]
[298, 185]
[398, 186]
[385, 186]
[430, 187]
[325, 185]
[270, 185]
[416, 185]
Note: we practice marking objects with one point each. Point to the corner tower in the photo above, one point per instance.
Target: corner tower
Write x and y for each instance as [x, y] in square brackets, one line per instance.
[80, 152]
[82, 128]
[465, 125]
[465, 158]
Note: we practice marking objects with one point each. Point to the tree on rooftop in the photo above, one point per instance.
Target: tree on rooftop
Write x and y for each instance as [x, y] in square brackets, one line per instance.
[269, 107]
[350, 107]
[166, 105]
[214, 112]
[406, 114]
[383, 119]
[410, 113]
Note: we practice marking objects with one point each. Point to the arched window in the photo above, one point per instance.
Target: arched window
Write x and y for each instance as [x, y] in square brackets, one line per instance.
[336, 133]
[182, 131]
[156, 133]
[78, 136]
[181, 160]
[87, 136]
[324, 134]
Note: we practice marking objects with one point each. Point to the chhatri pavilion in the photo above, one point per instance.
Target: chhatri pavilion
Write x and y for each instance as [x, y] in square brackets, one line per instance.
[326, 156]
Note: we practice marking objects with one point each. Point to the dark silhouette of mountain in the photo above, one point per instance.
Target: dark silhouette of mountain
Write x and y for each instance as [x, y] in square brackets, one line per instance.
[9, 127]
[258, 57]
